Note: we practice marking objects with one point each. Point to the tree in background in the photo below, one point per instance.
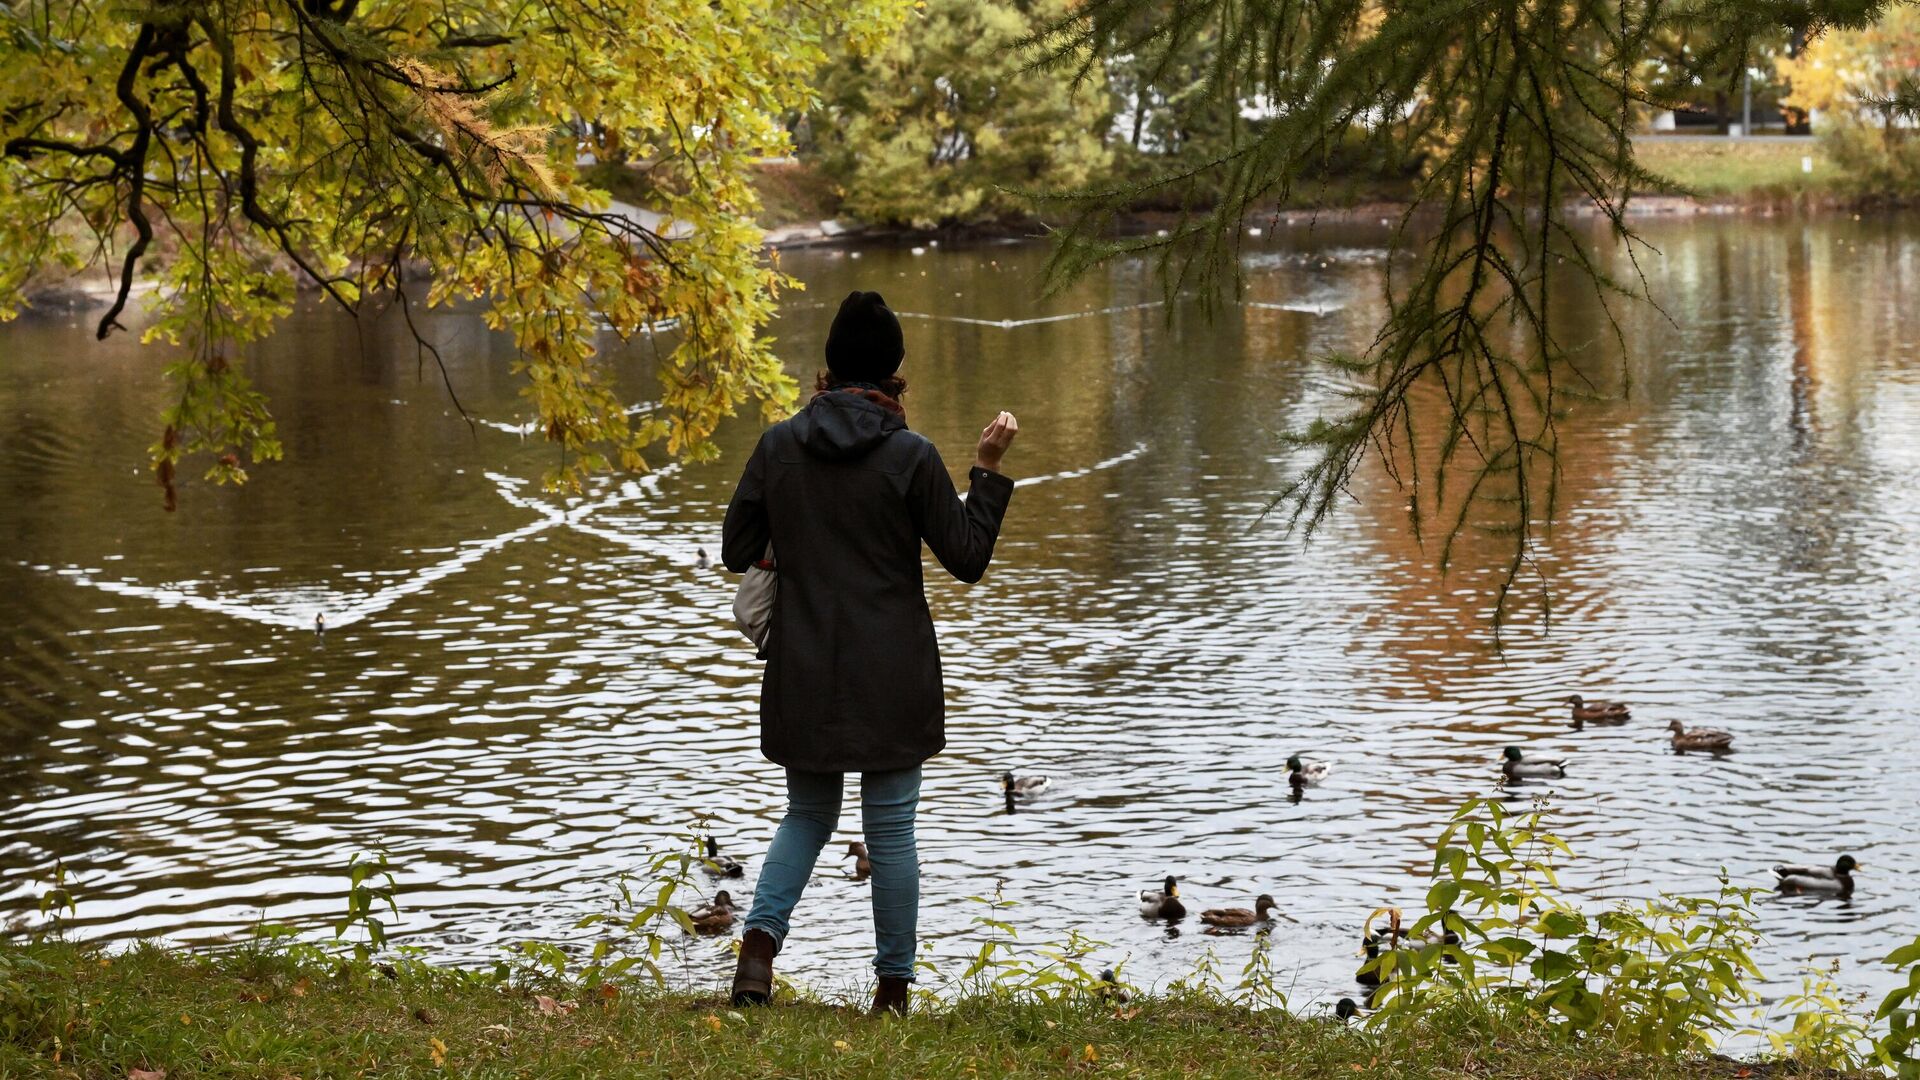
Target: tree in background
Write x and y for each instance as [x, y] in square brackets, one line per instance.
[1865, 84]
[1518, 110]
[1166, 122]
[948, 124]
[343, 142]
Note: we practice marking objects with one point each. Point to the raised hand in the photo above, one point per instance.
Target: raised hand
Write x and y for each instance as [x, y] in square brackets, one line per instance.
[995, 440]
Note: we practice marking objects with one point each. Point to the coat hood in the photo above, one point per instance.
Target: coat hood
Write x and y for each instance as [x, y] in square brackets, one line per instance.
[841, 426]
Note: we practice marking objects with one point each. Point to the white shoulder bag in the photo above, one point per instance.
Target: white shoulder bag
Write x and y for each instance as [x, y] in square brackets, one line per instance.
[753, 603]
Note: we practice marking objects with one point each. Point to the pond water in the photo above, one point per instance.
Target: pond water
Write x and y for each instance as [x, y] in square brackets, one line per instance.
[521, 696]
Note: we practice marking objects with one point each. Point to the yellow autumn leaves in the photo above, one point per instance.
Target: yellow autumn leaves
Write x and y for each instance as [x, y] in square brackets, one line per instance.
[445, 145]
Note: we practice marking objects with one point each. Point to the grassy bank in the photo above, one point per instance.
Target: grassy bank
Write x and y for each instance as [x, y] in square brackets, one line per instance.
[1760, 172]
[73, 1011]
[1740, 170]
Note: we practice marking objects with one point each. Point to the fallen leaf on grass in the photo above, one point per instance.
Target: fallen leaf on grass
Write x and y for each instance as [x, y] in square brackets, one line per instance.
[439, 1051]
[498, 1031]
[299, 989]
[185, 1019]
[713, 1022]
[146, 1074]
[842, 1045]
[608, 991]
[550, 1007]
[1089, 1055]
[1050, 1024]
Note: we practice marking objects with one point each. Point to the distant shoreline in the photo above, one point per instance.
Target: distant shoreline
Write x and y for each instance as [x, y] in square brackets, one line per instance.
[91, 287]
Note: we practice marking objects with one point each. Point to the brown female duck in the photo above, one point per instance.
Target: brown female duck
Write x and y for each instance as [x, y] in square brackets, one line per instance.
[1700, 738]
[1235, 917]
[1597, 712]
[714, 918]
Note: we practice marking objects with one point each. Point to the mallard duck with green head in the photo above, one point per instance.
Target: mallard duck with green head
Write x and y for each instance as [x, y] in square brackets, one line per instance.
[1374, 944]
[1021, 789]
[1238, 917]
[722, 865]
[1836, 880]
[1025, 787]
[1163, 903]
[1516, 766]
[1304, 774]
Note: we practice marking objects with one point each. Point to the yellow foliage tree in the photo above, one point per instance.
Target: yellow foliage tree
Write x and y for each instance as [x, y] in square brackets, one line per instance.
[344, 141]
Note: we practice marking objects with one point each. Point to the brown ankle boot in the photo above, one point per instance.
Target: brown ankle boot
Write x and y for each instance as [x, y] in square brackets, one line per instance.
[891, 996]
[753, 975]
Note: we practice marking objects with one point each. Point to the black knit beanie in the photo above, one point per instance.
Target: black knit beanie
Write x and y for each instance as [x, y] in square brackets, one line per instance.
[864, 344]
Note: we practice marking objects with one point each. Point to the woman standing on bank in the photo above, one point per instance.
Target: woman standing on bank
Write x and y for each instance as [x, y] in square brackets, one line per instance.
[846, 493]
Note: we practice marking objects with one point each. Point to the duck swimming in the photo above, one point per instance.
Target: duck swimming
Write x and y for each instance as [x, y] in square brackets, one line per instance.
[1024, 787]
[1700, 738]
[1302, 774]
[1234, 917]
[1164, 904]
[703, 561]
[714, 918]
[1836, 879]
[1370, 975]
[722, 865]
[1516, 767]
[1597, 712]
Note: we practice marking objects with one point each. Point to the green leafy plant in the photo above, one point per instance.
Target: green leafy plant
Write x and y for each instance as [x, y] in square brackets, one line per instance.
[1003, 966]
[1660, 977]
[1259, 986]
[55, 900]
[1828, 1030]
[370, 886]
[1899, 1049]
[637, 921]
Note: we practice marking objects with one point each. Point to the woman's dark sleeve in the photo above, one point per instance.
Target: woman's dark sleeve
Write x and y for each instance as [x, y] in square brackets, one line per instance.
[743, 540]
[960, 534]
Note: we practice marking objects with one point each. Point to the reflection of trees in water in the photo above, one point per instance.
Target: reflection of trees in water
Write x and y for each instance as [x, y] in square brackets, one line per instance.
[1821, 487]
[1759, 323]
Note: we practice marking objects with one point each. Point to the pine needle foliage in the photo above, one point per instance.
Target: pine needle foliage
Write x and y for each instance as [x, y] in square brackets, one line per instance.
[1519, 113]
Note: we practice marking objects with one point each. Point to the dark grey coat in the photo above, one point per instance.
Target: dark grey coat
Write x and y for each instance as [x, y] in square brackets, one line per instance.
[847, 494]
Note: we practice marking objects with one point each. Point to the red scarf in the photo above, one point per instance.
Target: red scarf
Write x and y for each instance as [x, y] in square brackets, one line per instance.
[890, 404]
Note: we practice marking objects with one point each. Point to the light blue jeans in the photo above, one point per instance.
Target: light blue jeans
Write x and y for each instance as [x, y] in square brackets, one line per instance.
[887, 802]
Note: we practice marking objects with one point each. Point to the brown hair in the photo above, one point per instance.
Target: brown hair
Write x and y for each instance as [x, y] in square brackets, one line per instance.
[893, 385]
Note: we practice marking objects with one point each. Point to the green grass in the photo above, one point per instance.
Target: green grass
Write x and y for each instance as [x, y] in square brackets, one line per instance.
[1739, 169]
[74, 1011]
[790, 193]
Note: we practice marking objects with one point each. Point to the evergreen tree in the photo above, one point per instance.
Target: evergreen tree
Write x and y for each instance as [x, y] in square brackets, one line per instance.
[948, 124]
